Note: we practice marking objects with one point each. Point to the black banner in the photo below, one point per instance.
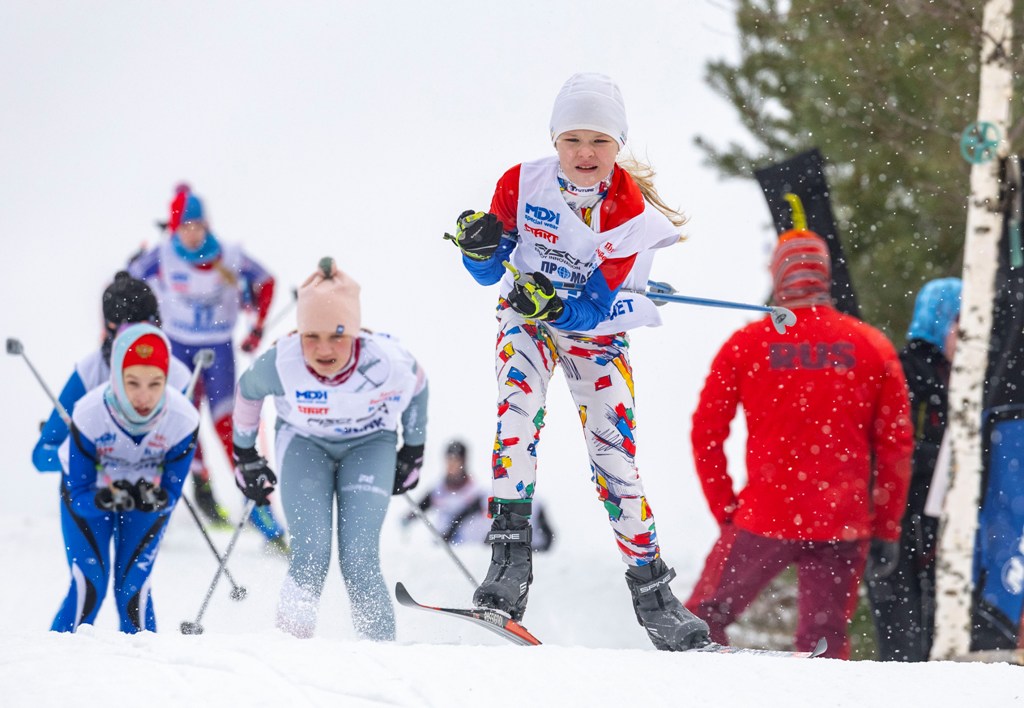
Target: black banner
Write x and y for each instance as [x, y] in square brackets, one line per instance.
[804, 176]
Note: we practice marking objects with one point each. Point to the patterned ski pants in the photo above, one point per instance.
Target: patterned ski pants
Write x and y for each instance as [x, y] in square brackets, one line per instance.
[601, 383]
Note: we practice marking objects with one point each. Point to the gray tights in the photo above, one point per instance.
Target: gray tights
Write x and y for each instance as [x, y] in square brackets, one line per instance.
[357, 475]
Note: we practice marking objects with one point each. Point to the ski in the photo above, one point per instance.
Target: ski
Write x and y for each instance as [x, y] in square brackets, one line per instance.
[715, 648]
[506, 627]
[494, 620]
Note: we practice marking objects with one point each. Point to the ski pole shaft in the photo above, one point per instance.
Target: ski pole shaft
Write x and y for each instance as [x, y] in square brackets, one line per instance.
[781, 317]
[15, 348]
[236, 589]
[685, 299]
[418, 513]
[197, 627]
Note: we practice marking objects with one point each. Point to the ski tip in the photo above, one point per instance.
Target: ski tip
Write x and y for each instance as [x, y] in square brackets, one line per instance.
[402, 595]
[820, 648]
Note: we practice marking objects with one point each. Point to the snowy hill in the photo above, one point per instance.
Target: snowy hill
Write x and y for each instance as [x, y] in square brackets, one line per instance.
[362, 131]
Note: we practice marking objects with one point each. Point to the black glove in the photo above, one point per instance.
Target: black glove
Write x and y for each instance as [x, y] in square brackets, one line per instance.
[534, 296]
[407, 468]
[253, 476]
[882, 559]
[149, 497]
[477, 234]
[118, 497]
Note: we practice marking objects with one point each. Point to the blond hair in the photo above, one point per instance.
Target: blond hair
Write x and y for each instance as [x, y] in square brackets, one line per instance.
[643, 175]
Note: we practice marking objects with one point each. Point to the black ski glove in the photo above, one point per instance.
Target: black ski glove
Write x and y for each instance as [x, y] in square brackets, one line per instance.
[407, 468]
[149, 497]
[882, 559]
[477, 234]
[117, 497]
[534, 296]
[253, 476]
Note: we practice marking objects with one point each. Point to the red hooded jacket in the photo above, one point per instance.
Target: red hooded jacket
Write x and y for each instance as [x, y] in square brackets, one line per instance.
[828, 433]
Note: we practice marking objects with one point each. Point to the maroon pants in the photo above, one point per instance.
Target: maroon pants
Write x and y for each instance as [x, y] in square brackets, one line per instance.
[741, 564]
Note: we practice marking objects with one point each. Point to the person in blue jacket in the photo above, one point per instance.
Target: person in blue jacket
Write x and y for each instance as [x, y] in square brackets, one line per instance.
[125, 300]
[131, 445]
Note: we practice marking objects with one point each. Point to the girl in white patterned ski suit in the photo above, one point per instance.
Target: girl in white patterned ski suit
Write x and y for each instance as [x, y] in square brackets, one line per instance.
[572, 238]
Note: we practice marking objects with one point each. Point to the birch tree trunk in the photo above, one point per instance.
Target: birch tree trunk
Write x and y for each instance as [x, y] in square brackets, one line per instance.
[954, 583]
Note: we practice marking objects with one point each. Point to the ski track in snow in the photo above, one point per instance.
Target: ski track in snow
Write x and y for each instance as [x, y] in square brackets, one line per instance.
[594, 651]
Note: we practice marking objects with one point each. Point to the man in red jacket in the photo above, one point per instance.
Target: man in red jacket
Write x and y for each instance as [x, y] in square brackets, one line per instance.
[828, 455]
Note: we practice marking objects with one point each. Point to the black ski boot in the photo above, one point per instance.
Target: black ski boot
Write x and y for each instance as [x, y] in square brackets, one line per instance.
[507, 585]
[670, 626]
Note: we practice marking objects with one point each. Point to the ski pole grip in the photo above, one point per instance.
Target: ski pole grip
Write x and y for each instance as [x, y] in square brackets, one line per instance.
[326, 266]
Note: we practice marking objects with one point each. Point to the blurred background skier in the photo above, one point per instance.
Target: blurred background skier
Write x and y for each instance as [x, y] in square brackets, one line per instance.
[458, 506]
[202, 284]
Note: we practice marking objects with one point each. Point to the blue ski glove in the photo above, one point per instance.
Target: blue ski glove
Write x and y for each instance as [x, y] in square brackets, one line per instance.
[477, 234]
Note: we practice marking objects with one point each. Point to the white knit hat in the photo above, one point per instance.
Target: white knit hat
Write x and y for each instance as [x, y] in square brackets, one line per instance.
[590, 101]
[329, 304]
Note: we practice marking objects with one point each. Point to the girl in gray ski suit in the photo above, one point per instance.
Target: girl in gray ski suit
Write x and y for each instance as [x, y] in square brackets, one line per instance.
[340, 394]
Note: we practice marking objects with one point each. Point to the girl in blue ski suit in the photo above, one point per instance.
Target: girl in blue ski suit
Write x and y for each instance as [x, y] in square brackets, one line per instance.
[131, 446]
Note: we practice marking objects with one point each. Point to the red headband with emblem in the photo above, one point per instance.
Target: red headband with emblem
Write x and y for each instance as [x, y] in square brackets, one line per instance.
[148, 350]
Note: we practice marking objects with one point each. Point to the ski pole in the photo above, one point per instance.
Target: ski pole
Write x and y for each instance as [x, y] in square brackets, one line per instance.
[781, 317]
[15, 348]
[203, 359]
[197, 627]
[418, 513]
[238, 592]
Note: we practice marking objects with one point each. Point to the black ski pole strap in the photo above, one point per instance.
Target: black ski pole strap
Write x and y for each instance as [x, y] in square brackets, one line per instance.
[523, 507]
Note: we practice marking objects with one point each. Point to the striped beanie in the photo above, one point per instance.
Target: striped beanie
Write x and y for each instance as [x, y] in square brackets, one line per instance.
[184, 207]
[801, 270]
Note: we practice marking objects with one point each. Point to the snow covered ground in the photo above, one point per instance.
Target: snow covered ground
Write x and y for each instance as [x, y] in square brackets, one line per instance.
[361, 130]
